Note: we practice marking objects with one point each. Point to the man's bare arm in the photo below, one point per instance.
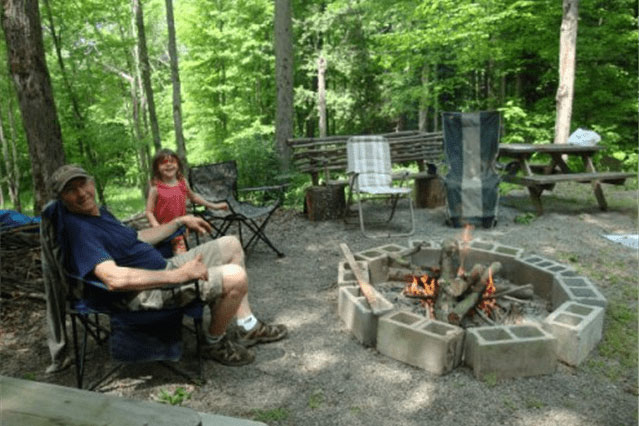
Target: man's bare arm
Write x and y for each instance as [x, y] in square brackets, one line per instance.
[159, 233]
[119, 278]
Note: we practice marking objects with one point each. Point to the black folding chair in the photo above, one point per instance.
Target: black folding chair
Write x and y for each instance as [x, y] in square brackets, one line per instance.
[133, 336]
[218, 182]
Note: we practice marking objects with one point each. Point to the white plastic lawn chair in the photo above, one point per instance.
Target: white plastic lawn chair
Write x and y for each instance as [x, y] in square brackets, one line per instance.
[369, 170]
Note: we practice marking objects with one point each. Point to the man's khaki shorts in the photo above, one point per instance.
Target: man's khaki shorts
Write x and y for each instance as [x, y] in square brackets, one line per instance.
[212, 256]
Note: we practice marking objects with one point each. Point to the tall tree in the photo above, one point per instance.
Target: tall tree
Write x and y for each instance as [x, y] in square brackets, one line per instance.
[321, 95]
[567, 55]
[175, 79]
[11, 165]
[284, 79]
[28, 68]
[146, 73]
[78, 120]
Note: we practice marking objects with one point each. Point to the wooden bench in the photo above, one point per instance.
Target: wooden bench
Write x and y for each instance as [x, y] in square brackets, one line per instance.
[320, 156]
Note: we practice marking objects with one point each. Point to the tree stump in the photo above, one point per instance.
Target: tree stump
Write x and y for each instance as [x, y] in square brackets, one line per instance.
[325, 202]
[429, 192]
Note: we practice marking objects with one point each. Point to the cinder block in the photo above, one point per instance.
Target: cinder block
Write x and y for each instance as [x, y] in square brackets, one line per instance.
[345, 275]
[435, 346]
[578, 329]
[510, 351]
[428, 255]
[377, 259]
[577, 289]
[530, 270]
[354, 310]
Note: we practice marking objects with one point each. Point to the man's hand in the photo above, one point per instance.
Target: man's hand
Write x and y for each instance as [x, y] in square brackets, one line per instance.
[195, 269]
[195, 223]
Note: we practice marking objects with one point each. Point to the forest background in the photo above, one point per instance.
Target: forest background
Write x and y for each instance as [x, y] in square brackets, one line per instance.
[388, 66]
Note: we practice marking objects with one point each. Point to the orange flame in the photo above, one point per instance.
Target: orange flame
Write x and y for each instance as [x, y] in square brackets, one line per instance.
[466, 238]
[488, 303]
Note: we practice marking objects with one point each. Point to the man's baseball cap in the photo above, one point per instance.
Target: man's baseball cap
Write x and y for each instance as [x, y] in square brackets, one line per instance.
[63, 175]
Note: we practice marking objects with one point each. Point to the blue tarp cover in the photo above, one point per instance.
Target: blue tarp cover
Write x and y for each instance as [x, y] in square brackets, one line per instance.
[13, 219]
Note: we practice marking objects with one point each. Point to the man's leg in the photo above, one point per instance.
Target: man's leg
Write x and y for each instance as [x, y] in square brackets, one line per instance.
[225, 259]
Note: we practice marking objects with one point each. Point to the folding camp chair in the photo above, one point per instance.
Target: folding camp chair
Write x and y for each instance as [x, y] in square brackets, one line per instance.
[218, 182]
[369, 169]
[133, 336]
[471, 145]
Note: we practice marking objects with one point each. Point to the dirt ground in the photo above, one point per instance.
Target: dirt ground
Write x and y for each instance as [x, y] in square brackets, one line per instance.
[320, 375]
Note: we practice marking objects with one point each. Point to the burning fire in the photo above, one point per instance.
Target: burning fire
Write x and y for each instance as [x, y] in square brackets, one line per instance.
[464, 245]
[488, 302]
[426, 287]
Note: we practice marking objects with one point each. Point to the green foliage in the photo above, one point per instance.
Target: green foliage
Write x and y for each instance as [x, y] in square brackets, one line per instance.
[525, 218]
[534, 403]
[619, 344]
[269, 416]
[490, 379]
[386, 62]
[316, 399]
[177, 397]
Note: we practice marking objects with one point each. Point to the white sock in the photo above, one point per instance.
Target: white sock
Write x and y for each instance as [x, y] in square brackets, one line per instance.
[247, 323]
[211, 340]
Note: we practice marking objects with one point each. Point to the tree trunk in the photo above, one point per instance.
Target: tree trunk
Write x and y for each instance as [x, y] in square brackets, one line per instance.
[175, 79]
[11, 160]
[9, 164]
[283, 79]
[423, 102]
[321, 95]
[435, 100]
[146, 73]
[567, 55]
[28, 68]
[78, 118]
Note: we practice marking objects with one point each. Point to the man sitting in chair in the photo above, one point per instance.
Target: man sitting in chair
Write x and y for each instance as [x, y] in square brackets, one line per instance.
[138, 277]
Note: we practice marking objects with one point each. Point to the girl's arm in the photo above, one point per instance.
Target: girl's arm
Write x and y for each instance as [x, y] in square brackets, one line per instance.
[150, 206]
[198, 199]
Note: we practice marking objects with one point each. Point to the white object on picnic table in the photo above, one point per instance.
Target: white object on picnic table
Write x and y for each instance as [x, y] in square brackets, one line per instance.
[584, 137]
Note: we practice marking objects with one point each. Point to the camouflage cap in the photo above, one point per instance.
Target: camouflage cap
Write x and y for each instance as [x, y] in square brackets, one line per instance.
[63, 175]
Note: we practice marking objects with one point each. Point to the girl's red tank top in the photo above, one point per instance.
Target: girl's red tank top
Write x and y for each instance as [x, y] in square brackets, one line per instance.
[171, 201]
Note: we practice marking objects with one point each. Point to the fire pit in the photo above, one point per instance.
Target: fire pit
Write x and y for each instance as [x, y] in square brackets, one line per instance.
[464, 321]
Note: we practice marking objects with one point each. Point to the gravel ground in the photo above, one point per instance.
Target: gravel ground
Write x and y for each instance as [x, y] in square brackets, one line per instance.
[321, 376]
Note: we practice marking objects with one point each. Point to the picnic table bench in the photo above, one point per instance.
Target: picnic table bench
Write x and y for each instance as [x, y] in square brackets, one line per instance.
[540, 177]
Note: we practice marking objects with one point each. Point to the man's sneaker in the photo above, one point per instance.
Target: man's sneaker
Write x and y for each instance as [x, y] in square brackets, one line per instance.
[228, 352]
[261, 333]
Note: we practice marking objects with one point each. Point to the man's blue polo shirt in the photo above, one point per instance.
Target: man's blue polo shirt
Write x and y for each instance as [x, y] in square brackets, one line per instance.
[92, 240]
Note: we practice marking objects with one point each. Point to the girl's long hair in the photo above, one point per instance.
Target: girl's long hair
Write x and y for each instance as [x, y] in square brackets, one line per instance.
[157, 159]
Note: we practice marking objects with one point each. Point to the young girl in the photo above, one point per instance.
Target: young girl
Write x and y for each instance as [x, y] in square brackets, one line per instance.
[168, 193]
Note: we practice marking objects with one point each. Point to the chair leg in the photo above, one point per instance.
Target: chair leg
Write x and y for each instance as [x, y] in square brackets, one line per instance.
[373, 236]
[258, 232]
[76, 355]
[199, 335]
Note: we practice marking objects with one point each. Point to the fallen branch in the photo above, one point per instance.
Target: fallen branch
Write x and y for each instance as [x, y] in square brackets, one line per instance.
[365, 287]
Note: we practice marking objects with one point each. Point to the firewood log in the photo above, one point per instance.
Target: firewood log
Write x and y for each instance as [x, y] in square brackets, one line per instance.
[444, 302]
[492, 270]
[457, 286]
[449, 259]
[462, 308]
[522, 291]
[406, 275]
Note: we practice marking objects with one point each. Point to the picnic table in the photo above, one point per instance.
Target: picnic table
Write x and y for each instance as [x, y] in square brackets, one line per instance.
[540, 177]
